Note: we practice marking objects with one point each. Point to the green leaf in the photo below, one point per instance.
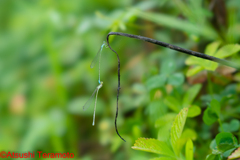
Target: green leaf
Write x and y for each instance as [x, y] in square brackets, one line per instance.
[214, 157]
[176, 79]
[172, 103]
[191, 94]
[186, 135]
[234, 125]
[225, 127]
[203, 64]
[212, 48]
[194, 61]
[193, 71]
[215, 106]
[177, 128]
[194, 111]
[230, 127]
[213, 146]
[189, 150]
[228, 152]
[227, 50]
[154, 146]
[156, 82]
[209, 116]
[225, 141]
[189, 134]
[235, 154]
[226, 137]
[211, 66]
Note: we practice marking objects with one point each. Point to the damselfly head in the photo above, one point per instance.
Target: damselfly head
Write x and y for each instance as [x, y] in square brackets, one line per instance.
[105, 44]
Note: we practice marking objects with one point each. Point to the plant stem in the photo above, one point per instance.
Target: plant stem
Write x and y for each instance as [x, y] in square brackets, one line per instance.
[220, 124]
[176, 48]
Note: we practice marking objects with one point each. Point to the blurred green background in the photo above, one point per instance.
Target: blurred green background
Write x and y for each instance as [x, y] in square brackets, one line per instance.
[46, 48]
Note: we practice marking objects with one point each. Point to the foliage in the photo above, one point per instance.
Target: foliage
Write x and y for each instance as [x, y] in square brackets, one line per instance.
[225, 51]
[188, 108]
[160, 147]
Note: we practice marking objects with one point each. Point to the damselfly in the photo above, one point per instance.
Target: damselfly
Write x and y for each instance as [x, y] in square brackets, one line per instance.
[98, 57]
[88, 103]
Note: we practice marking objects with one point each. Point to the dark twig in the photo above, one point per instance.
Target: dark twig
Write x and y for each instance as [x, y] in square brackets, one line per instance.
[117, 89]
[176, 48]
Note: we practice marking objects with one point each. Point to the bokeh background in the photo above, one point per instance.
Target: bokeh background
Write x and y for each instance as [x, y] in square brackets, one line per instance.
[46, 48]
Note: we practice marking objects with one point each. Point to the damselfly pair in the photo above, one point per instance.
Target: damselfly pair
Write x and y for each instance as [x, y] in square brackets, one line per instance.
[88, 103]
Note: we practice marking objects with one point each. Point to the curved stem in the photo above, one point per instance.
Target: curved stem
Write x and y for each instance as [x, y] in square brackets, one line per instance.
[118, 87]
[163, 44]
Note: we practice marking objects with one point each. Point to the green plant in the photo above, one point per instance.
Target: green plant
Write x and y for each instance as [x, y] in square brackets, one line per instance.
[46, 48]
[169, 146]
[162, 148]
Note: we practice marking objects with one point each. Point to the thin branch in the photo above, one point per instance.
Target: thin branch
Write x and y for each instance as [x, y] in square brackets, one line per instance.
[117, 89]
[163, 44]
[176, 48]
